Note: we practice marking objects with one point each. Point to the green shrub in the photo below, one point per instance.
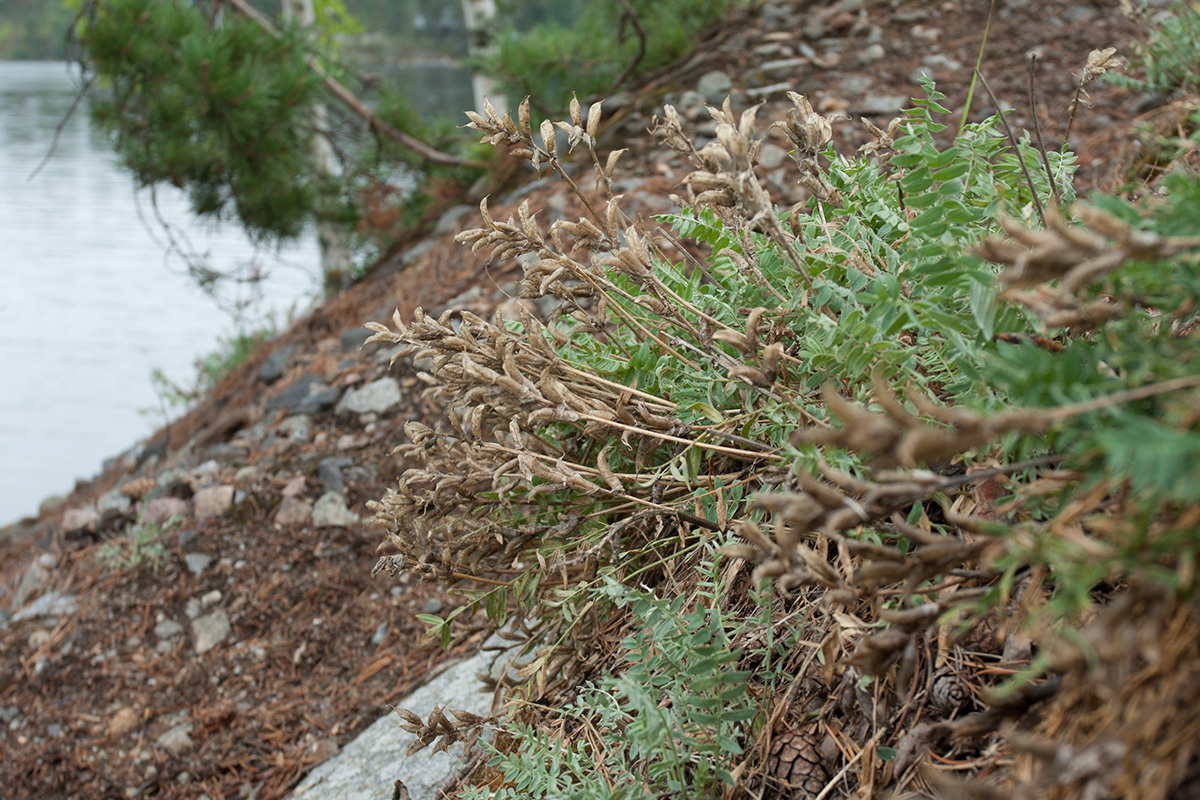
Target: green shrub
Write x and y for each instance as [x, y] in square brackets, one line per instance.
[589, 57]
[812, 404]
[139, 545]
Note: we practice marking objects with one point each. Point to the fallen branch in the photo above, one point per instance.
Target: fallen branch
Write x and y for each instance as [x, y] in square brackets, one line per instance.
[348, 99]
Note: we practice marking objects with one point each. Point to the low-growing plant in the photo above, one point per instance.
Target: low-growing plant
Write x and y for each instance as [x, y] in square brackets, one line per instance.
[140, 544]
[919, 414]
[231, 351]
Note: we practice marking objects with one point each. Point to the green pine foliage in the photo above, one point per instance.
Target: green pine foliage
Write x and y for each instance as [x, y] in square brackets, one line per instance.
[222, 111]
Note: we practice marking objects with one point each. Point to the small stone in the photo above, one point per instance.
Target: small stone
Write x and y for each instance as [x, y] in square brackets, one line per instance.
[783, 65]
[380, 634]
[35, 575]
[331, 512]
[771, 156]
[879, 105]
[276, 364]
[293, 511]
[122, 722]
[432, 606]
[51, 504]
[54, 729]
[692, 105]
[297, 427]
[317, 402]
[51, 604]
[197, 562]
[210, 599]
[247, 476]
[167, 628]
[329, 472]
[177, 740]
[349, 441]
[294, 487]
[377, 396]
[353, 339]
[714, 86]
[870, 54]
[855, 84]
[291, 396]
[448, 222]
[213, 501]
[210, 630]
[76, 519]
[769, 91]
[159, 510]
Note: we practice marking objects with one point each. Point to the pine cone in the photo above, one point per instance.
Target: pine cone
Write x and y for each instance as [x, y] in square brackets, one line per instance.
[948, 691]
[795, 762]
[138, 487]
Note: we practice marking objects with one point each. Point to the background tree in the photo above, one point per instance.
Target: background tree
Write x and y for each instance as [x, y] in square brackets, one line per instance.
[213, 98]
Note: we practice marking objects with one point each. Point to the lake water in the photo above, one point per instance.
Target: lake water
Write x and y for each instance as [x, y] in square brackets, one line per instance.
[90, 300]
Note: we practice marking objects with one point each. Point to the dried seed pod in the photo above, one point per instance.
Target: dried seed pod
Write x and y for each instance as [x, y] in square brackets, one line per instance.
[796, 763]
[138, 488]
[949, 692]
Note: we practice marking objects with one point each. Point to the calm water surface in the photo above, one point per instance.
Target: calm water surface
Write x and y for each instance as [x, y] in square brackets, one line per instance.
[90, 300]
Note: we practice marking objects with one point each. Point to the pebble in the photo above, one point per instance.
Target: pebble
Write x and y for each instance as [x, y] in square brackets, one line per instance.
[210, 630]
[159, 510]
[432, 606]
[350, 341]
[771, 156]
[293, 511]
[167, 628]
[377, 396]
[298, 428]
[76, 519]
[177, 740]
[52, 604]
[329, 472]
[870, 54]
[276, 364]
[715, 86]
[331, 512]
[296, 392]
[197, 562]
[247, 476]
[122, 722]
[213, 501]
[51, 504]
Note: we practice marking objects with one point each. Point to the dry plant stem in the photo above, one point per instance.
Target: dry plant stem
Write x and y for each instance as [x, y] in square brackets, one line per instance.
[1012, 141]
[716, 448]
[667, 404]
[1120, 398]
[1037, 129]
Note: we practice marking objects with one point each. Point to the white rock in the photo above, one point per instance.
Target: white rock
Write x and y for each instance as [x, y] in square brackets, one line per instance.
[331, 512]
[367, 768]
[213, 501]
[113, 500]
[76, 519]
[377, 396]
[210, 630]
[177, 740]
